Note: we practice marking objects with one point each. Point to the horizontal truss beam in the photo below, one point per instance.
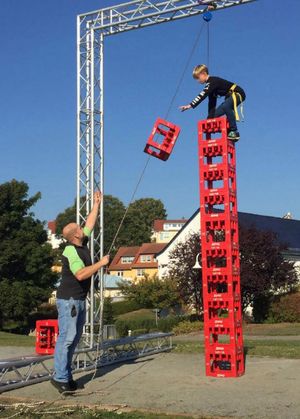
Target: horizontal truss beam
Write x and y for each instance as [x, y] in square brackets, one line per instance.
[142, 13]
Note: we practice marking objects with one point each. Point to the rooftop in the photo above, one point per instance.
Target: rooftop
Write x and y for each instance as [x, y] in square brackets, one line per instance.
[116, 263]
[136, 252]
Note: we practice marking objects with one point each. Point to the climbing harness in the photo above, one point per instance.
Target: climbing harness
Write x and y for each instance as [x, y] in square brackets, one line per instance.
[235, 96]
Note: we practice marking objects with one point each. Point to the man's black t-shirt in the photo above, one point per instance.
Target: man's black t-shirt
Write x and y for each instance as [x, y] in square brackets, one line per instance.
[74, 258]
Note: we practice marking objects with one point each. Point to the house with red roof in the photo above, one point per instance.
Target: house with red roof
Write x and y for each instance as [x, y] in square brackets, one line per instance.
[136, 262]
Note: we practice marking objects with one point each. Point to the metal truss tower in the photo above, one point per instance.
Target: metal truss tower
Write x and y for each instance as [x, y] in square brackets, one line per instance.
[92, 28]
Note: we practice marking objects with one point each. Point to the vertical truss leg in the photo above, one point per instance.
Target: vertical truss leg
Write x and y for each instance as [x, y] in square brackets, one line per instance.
[224, 352]
[90, 150]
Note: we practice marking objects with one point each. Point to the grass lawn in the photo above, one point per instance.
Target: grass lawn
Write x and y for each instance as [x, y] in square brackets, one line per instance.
[278, 349]
[89, 414]
[277, 329]
[144, 313]
[12, 339]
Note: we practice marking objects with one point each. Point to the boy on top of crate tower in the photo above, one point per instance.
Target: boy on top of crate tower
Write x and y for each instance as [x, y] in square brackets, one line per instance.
[214, 87]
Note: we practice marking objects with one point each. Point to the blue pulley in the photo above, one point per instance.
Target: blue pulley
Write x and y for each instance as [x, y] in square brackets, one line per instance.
[207, 16]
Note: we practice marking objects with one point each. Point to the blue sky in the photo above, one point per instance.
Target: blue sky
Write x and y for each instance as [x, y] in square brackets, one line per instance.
[254, 45]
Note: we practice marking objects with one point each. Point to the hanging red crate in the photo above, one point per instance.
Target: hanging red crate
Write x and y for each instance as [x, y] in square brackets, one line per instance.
[46, 336]
[162, 139]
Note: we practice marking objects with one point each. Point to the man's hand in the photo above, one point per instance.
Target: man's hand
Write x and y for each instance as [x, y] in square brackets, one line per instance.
[105, 260]
[92, 217]
[185, 107]
[90, 270]
[97, 197]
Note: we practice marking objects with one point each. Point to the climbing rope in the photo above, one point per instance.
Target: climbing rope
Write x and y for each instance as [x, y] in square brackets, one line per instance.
[208, 45]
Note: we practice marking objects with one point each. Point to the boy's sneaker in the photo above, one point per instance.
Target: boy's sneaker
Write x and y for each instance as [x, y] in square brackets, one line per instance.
[233, 135]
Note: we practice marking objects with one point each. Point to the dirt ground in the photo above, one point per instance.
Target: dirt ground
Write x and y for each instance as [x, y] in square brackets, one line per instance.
[176, 383]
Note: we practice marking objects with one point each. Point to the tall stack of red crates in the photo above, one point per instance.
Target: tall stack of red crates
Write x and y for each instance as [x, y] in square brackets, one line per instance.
[224, 352]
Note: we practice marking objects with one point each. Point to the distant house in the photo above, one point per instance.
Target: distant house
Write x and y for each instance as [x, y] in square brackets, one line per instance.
[123, 261]
[286, 229]
[165, 230]
[136, 262]
[52, 238]
[111, 288]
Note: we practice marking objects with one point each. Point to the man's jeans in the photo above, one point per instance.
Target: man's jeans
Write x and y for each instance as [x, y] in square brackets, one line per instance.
[227, 108]
[71, 319]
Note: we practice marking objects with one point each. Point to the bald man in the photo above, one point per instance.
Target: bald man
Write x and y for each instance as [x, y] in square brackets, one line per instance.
[77, 270]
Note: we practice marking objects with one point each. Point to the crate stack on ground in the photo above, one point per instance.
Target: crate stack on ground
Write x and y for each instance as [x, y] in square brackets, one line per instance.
[224, 352]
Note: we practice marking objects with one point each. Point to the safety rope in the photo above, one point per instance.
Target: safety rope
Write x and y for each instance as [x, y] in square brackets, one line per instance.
[208, 45]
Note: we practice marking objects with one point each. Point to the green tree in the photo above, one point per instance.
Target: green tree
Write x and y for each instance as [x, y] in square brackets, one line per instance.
[139, 221]
[26, 258]
[152, 292]
[108, 312]
[113, 211]
[137, 226]
[189, 280]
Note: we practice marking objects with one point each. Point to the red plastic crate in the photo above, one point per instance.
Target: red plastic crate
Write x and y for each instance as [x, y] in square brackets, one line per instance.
[162, 139]
[46, 336]
[224, 355]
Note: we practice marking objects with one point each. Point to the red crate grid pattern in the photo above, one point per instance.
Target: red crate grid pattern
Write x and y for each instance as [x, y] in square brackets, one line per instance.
[46, 336]
[224, 351]
[162, 139]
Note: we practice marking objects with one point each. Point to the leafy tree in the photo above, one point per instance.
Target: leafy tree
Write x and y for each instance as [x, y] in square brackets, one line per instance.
[26, 278]
[137, 227]
[113, 211]
[263, 268]
[152, 292]
[108, 313]
[189, 280]
[139, 222]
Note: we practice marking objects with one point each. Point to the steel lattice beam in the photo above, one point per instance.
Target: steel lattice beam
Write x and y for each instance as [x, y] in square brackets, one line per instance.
[141, 13]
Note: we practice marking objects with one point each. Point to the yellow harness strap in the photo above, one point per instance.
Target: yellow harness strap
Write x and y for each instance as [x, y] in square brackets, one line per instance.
[236, 95]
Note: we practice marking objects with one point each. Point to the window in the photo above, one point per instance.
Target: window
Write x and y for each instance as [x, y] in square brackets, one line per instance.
[173, 226]
[127, 259]
[140, 272]
[120, 273]
[164, 236]
[145, 258]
